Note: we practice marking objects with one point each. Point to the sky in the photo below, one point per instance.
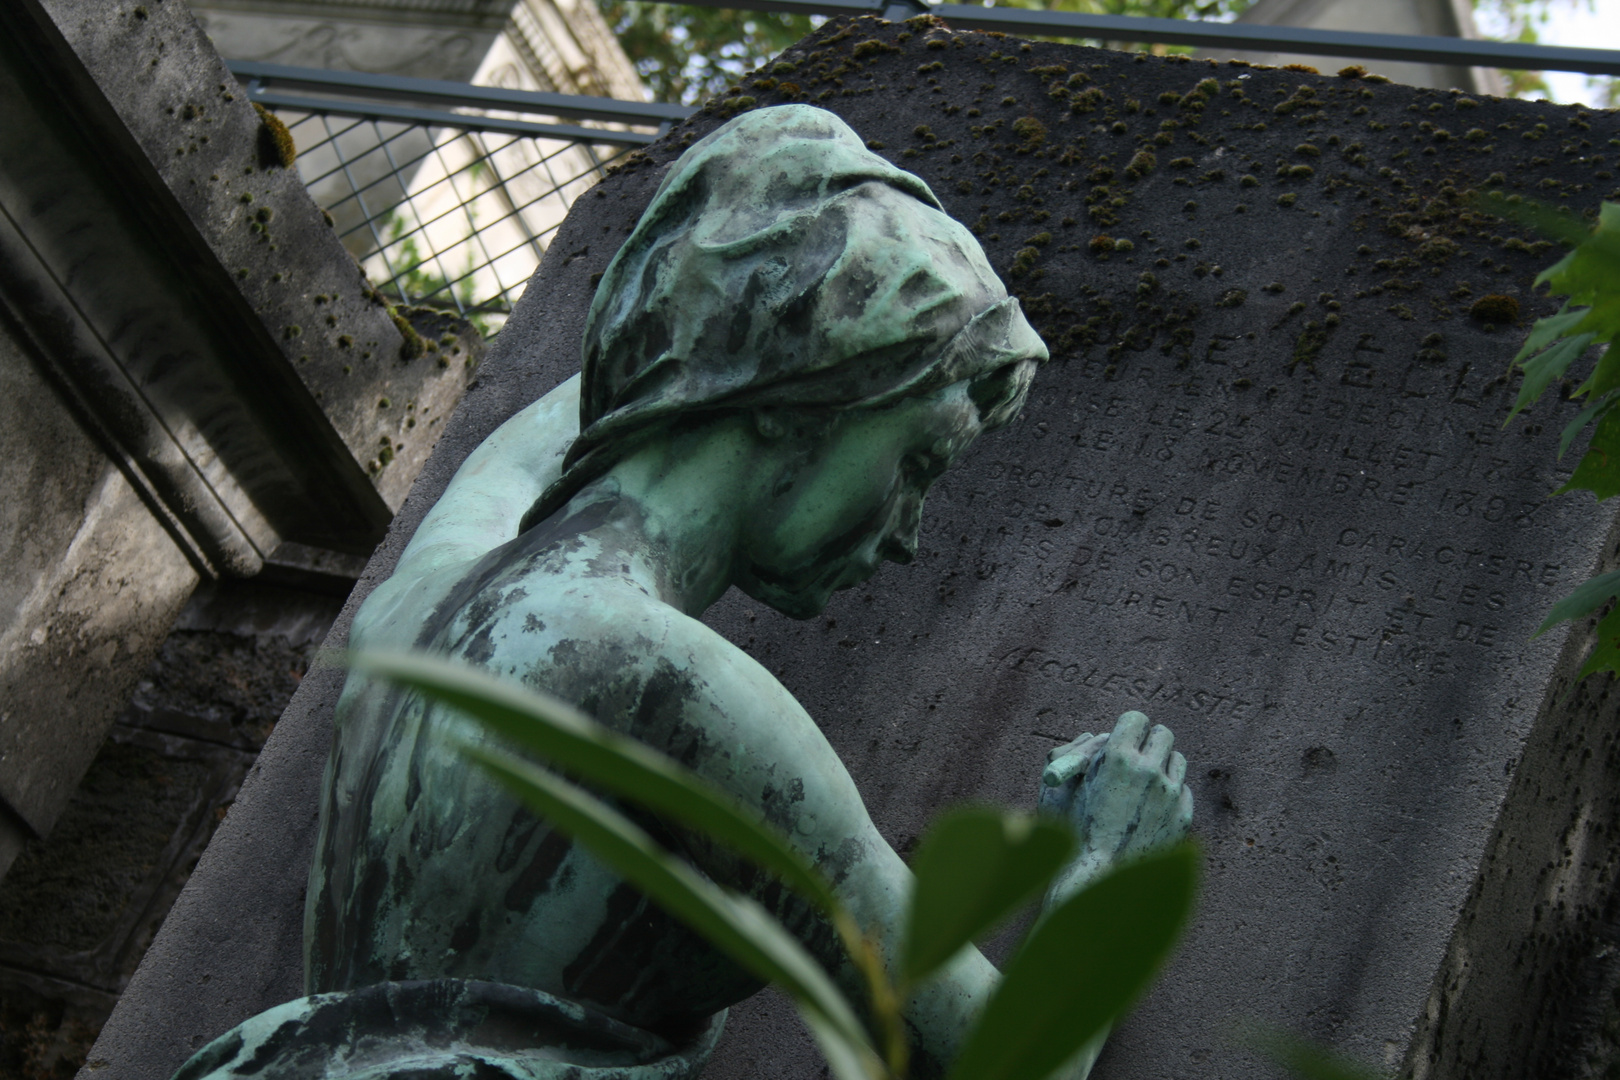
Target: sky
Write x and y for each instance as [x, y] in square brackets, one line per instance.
[1574, 22]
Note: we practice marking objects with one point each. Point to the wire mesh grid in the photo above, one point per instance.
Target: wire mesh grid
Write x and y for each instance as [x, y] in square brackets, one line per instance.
[440, 216]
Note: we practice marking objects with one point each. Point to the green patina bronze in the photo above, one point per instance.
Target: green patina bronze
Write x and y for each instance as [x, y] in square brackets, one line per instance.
[794, 343]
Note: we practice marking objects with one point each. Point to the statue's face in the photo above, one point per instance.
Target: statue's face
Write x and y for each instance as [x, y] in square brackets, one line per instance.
[850, 498]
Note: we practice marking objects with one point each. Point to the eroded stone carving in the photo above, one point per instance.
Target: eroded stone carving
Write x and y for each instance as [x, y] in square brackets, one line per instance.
[792, 345]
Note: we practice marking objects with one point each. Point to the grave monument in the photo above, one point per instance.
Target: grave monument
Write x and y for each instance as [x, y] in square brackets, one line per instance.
[1262, 491]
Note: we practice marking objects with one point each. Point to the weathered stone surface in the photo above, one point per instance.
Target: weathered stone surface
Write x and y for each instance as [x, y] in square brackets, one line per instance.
[79, 907]
[76, 625]
[306, 329]
[171, 414]
[1262, 493]
[1529, 982]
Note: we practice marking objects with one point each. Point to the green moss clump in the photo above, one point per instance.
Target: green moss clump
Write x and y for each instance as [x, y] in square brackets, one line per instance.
[1437, 249]
[276, 146]
[1030, 130]
[1023, 262]
[873, 47]
[413, 346]
[1087, 100]
[1141, 164]
[1496, 308]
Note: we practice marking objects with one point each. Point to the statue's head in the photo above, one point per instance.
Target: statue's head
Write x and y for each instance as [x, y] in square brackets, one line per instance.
[784, 272]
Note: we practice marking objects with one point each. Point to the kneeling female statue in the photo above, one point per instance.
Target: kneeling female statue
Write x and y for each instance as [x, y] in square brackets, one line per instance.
[794, 343]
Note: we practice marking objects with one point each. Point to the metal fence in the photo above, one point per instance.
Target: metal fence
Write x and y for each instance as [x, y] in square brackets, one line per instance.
[449, 207]
[448, 193]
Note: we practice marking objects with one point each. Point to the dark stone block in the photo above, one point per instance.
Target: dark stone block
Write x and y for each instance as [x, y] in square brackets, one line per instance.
[1263, 492]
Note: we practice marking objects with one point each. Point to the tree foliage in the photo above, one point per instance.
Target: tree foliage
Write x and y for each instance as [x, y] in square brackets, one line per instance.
[687, 54]
[1589, 279]
[1522, 21]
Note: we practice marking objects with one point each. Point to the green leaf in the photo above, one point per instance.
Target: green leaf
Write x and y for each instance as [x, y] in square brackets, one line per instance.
[1599, 469]
[1086, 961]
[1592, 412]
[1545, 368]
[1586, 274]
[975, 868]
[1602, 319]
[1307, 1060]
[1606, 650]
[1549, 329]
[1592, 595]
[1555, 224]
[572, 741]
[734, 924]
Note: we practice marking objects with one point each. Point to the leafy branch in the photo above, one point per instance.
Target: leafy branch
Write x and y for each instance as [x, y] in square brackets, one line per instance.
[1588, 277]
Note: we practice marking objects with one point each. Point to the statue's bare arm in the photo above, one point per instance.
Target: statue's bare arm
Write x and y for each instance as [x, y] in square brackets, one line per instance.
[1123, 792]
[778, 761]
[478, 512]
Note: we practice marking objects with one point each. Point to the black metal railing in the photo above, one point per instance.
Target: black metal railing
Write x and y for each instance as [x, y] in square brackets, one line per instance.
[448, 193]
[1139, 29]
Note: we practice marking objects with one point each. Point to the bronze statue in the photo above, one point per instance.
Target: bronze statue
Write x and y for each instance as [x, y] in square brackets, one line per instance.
[794, 343]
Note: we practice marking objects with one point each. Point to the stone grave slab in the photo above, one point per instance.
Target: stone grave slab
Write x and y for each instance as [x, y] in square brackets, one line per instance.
[1263, 492]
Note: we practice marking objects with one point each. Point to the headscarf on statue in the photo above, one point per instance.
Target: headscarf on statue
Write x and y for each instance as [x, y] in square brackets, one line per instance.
[782, 263]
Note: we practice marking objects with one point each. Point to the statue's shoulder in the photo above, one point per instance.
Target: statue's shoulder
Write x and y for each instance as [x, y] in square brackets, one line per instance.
[647, 647]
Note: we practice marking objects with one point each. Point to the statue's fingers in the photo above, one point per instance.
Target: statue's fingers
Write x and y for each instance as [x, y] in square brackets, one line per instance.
[1129, 732]
[1069, 747]
[1064, 769]
[1054, 801]
[1185, 810]
[1176, 768]
[1160, 742]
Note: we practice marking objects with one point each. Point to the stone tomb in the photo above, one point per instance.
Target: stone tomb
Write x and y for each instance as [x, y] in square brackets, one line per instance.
[1263, 493]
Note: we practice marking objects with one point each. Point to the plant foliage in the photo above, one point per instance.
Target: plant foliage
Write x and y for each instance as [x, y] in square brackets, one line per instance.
[1588, 277]
[1086, 961]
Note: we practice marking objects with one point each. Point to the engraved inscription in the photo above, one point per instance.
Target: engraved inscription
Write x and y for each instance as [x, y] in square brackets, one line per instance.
[1320, 519]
